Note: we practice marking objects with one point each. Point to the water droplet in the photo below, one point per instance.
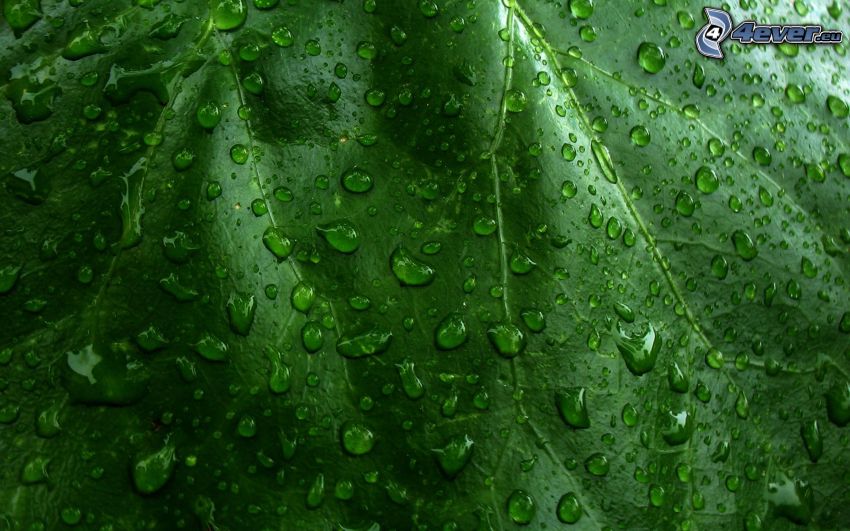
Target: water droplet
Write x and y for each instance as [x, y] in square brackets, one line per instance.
[428, 8]
[312, 336]
[408, 270]
[624, 312]
[706, 180]
[572, 406]
[47, 421]
[341, 235]
[152, 471]
[582, 9]
[484, 226]
[451, 332]
[35, 470]
[838, 403]
[316, 493]
[603, 158]
[521, 507]
[21, 14]
[597, 464]
[229, 14]
[685, 204]
[455, 455]
[280, 378]
[282, 36]
[762, 156]
[533, 319]
[240, 311]
[568, 151]
[515, 100]
[837, 107]
[569, 508]
[357, 180]
[239, 153]
[411, 383]
[278, 243]
[651, 57]
[744, 245]
[374, 340]
[208, 115]
[640, 136]
[507, 338]
[8, 277]
[677, 380]
[678, 427]
[357, 438]
[639, 351]
[520, 263]
[812, 439]
[211, 348]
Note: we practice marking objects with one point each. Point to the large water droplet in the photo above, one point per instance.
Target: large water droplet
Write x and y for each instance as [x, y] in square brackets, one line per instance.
[341, 235]
[639, 351]
[651, 57]
[240, 312]
[521, 507]
[572, 406]
[678, 427]
[357, 439]
[374, 340]
[507, 338]
[744, 245]
[152, 471]
[409, 270]
[838, 403]
[569, 508]
[229, 14]
[451, 332]
[454, 456]
[211, 348]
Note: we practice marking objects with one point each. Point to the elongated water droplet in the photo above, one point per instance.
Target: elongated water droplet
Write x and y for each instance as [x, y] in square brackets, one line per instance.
[374, 340]
[812, 439]
[838, 403]
[572, 406]
[639, 351]
[316, 494]
[240, 312]
[341, 235]
[278, 243]
[744, 245]
[678, 427]
[409, 270]
[603, 158]
[152, 471]
[454, 456]
[211, 348]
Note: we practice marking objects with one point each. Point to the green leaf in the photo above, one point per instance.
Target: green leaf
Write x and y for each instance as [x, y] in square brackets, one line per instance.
[436, 264]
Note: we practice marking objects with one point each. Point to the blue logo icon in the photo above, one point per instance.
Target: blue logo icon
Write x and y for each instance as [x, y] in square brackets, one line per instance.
[720, 27]
[711, 35]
